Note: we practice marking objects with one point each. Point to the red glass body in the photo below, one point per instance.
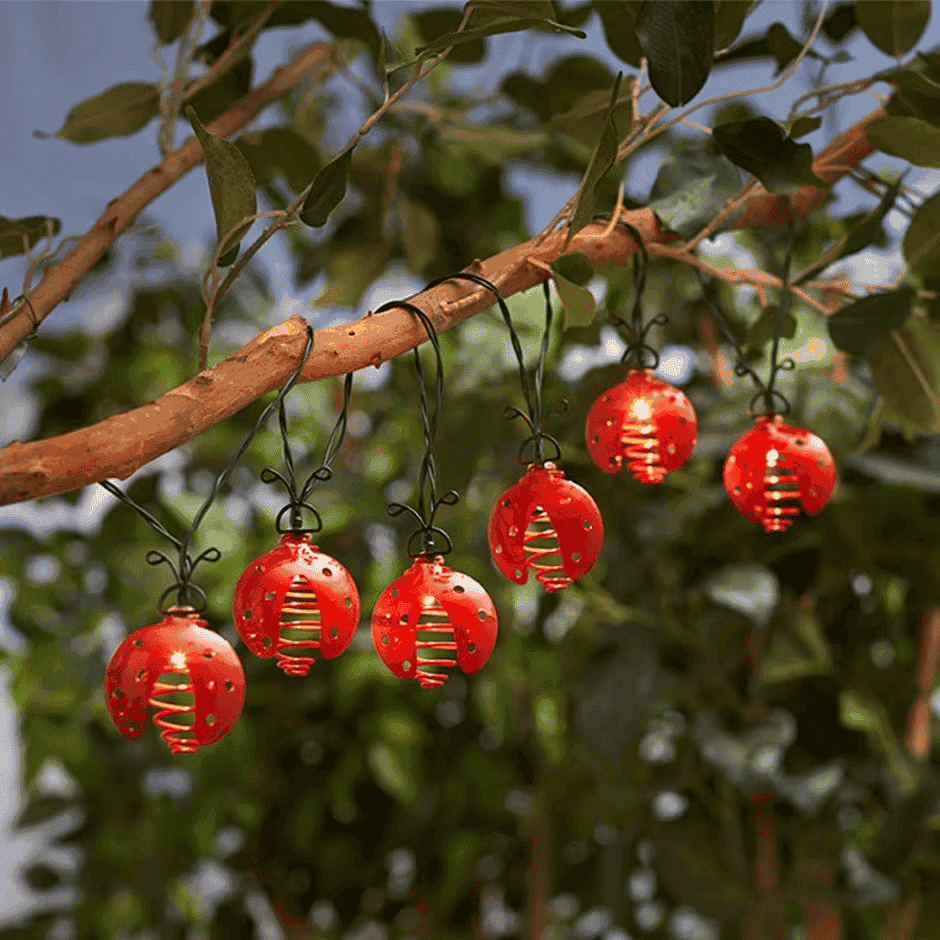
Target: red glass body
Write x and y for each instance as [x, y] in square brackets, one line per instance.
[645, 423]
[568, 519]
[433, 619]
[208, 671]
[293, 601]
[775, 470]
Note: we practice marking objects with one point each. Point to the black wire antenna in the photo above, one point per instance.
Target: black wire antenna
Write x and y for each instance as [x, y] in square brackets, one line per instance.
[637, 347]
[531, 386]
[298, 497]
[428, 500]
[774, 402]
[185, 590]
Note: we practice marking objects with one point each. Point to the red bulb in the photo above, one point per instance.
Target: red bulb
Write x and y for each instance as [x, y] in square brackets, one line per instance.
[432, 619]
[547, 524]
[191, 675]
[775, 469]
[643, 422]
[295, 600]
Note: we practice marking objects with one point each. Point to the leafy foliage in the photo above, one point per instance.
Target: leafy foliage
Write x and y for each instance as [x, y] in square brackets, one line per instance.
[231, 186]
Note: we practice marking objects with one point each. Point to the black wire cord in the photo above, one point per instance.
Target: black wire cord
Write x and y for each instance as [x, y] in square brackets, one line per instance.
[298, 498]
[185, 590]
[637, 347]
[531, 386]
[428, 500]
[774, 402]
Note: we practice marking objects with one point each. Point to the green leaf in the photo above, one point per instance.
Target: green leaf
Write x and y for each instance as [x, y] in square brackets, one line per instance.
[118, 112]
[893, 26]
[327, 191]
[498, 26]
[692, 186]
[761, 147]
[862, 711]
[867, 232]
[619, 22]
[803, 126]
[351, 270]
[777, 43]
[860, 325]
[440, 20]
[344, 22]
[576, 267]
[796, 651]
[231, 186]
[567, 81]
[485, 11]
[763, 328]
[578, 302]
[170, 18]
[395, 771]
[602, 160]
[420, 234]
[904, 373]
[729, 18]
[279, 152]
[839, 23]
[678, 40]
[231, 86]
[17, 236]
[692, 869]
[909, 138]
[492, 143]
[922, 238]
[584, 121]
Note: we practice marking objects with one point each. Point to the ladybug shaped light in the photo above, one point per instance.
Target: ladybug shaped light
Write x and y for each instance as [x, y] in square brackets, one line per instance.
[775, 470]
[546, 524]
[644, 422]
[296, 600]
[431, 620]
[190, 674]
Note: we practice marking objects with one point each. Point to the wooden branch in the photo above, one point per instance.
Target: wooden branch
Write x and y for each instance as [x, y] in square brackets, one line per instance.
[917, 732]
[123, 443]
[61, 278]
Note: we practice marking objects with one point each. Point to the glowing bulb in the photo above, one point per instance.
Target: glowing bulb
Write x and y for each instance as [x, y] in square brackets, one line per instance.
[772, 456]
[641, 409]
[429, 601]
[178, 660]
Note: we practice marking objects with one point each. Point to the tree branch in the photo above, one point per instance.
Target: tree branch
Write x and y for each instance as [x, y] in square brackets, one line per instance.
[123, 443]
[60, 279]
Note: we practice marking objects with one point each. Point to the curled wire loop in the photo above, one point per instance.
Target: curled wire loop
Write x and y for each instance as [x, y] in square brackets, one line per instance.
[298, 496]
[428, 500]
[638, 351]
[183, 570]
[535, 441]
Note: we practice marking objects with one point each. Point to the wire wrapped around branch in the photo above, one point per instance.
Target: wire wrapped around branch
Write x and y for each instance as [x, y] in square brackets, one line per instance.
[428, 500]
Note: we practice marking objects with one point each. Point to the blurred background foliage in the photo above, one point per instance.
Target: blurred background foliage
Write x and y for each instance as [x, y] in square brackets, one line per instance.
[636, 742]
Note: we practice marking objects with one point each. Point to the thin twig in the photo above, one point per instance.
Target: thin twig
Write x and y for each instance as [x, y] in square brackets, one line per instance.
[286, 217]
[60, 279]
[846, 88]
[170, 105]
[224, 61]
[730, 207]
[758, 279]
